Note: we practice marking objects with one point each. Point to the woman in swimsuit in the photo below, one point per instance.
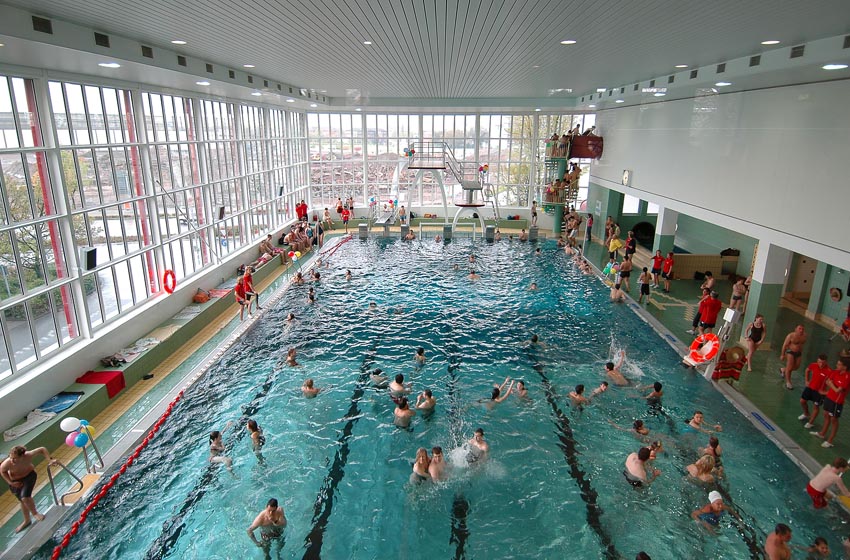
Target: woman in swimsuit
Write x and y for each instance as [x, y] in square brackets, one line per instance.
[756, 334]
[420, 467]
[217, 448]
[701, 470]
[710, 514]
[258, 440]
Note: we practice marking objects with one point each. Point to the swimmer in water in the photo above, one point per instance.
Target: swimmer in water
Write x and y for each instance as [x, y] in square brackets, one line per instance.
[534, 341]
[709, 515]
[290, 358]
[425, 401]
[696, 423]
[438, 239]
[348, 275]
[437, 467]
[308, 390]
[702, 469]
[420, 472]
[613, 371]
[372, 306]
[520, 391]
[378, 378]
[398, 388]
[601, 389]
[258, 440]
[497, 395]
[290, 317]
[473, 275]
[533, 287]
[419, 357]
[638, 429]
[271, 523]
[577, 396]
[217, 448]
[479, 449]
[403, 414]
[654, 397]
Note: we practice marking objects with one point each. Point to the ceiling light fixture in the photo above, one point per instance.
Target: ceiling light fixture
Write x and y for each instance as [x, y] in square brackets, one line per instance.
[770, 42]
[323, 91]
[536, 66]
[834, 66]
[313, 105]
[619, 101]
[568, 42]
[248, 66]
[178, 42]
[256, 93]
[109, 65]
[290, 100]
[358, 109]
[659, 94]
[681, 66]
[591, 106]
[723, 84]
[203, 83]
[2, 44]
[367, 42]
[601, 90]
[538, 109]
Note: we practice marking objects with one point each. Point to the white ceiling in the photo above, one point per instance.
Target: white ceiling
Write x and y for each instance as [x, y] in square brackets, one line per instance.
[460, 49]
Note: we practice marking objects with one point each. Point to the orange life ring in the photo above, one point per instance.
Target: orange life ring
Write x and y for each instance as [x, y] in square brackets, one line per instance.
[169, 281]
[704, 348]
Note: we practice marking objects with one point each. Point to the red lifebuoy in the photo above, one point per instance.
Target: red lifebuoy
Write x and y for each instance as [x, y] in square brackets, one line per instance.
[704, 348]
[169, 281]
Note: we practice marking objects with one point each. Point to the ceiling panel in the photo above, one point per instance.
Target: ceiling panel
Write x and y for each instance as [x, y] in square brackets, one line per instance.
[458, 48]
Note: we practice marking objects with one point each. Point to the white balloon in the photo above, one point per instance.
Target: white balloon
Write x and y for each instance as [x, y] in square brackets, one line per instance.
[69, 424]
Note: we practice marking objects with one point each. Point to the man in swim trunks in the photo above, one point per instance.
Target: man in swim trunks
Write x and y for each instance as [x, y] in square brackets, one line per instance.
[816, 375]
[776, 546]
[613, 371]
[818, 487]
[271, 522]
[635, 471]
[710, 514]
[478, 448]
[17, 470]
[837, 384]
[792, 351]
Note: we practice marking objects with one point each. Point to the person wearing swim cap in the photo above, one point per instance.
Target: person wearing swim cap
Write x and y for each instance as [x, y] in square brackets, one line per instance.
[710, 514]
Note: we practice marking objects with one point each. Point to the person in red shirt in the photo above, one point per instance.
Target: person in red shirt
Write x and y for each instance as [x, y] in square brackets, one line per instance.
[667, 271]
[837, 385]
[248, 285]
[345, 216]
[657, 261]
[301, 210]
[709, 308]
[816, 375]
[242, 298]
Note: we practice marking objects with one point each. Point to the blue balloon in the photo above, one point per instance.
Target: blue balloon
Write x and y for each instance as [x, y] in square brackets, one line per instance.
[81, 440]
[84, 422]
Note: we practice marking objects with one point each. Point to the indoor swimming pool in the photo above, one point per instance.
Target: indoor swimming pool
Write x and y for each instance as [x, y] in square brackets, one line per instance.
[553, 486]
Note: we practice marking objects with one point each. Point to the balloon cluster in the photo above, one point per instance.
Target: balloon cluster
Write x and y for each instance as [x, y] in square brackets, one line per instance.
[393, 202]
[294, 255]
[409, 152]
[483, 168]
[372, 201]
[79, 431]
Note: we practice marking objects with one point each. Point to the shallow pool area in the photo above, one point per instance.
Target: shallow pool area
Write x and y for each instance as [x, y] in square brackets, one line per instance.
[553, 485]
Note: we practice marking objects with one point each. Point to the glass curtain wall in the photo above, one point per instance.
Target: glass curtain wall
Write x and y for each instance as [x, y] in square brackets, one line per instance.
[511, 144]
[151, 181]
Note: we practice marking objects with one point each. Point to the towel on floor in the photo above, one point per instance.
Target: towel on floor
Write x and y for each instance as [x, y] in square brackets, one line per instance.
[34, 419]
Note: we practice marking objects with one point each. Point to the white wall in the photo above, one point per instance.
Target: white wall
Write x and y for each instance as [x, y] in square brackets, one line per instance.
[772, 164]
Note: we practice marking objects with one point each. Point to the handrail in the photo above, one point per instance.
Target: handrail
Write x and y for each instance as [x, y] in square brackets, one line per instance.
[56, 499]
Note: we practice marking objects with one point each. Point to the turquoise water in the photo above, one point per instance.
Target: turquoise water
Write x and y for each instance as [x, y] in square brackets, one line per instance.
[553, 486]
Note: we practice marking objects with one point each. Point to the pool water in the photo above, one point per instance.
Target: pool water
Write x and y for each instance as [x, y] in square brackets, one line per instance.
[553, 486]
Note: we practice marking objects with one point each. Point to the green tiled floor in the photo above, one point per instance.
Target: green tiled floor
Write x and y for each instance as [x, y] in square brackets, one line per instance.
[763, 386]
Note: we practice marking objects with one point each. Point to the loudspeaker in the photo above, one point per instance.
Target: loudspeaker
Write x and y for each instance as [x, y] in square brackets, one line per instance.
[221, 212]
[88, 258]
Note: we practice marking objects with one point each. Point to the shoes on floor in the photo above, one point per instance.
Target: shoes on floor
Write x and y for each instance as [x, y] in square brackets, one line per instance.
[690, 331]
[816, 434]
[802, 417]
[808, 425]
[826, 444]
[789, 386]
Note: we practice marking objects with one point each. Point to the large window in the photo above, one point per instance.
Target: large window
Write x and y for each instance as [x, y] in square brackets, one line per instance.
[150, 181]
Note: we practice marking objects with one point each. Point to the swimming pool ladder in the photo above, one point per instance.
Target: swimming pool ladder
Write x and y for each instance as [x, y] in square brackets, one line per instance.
[60, 500]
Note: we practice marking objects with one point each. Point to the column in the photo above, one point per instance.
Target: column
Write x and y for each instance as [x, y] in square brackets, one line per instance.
[665, 230]
[769, 274]
[819, 290]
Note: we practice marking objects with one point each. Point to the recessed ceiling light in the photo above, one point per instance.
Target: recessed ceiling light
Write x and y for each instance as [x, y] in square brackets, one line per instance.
[178, 42]
[367, 42]
[538, 109]
[659, 94]
[323, 91]
[257, 93]
[314, 105]
[203, 83]
[770, 42]
[290, 100]
[601, 90]
[834, 66]
[681, 66]
[568, 42]
[536, 66]
[109, 65]
[2, 44]
[591, 106]
[723, 84]
[248, 66]
[619, 101]
[358, 109]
